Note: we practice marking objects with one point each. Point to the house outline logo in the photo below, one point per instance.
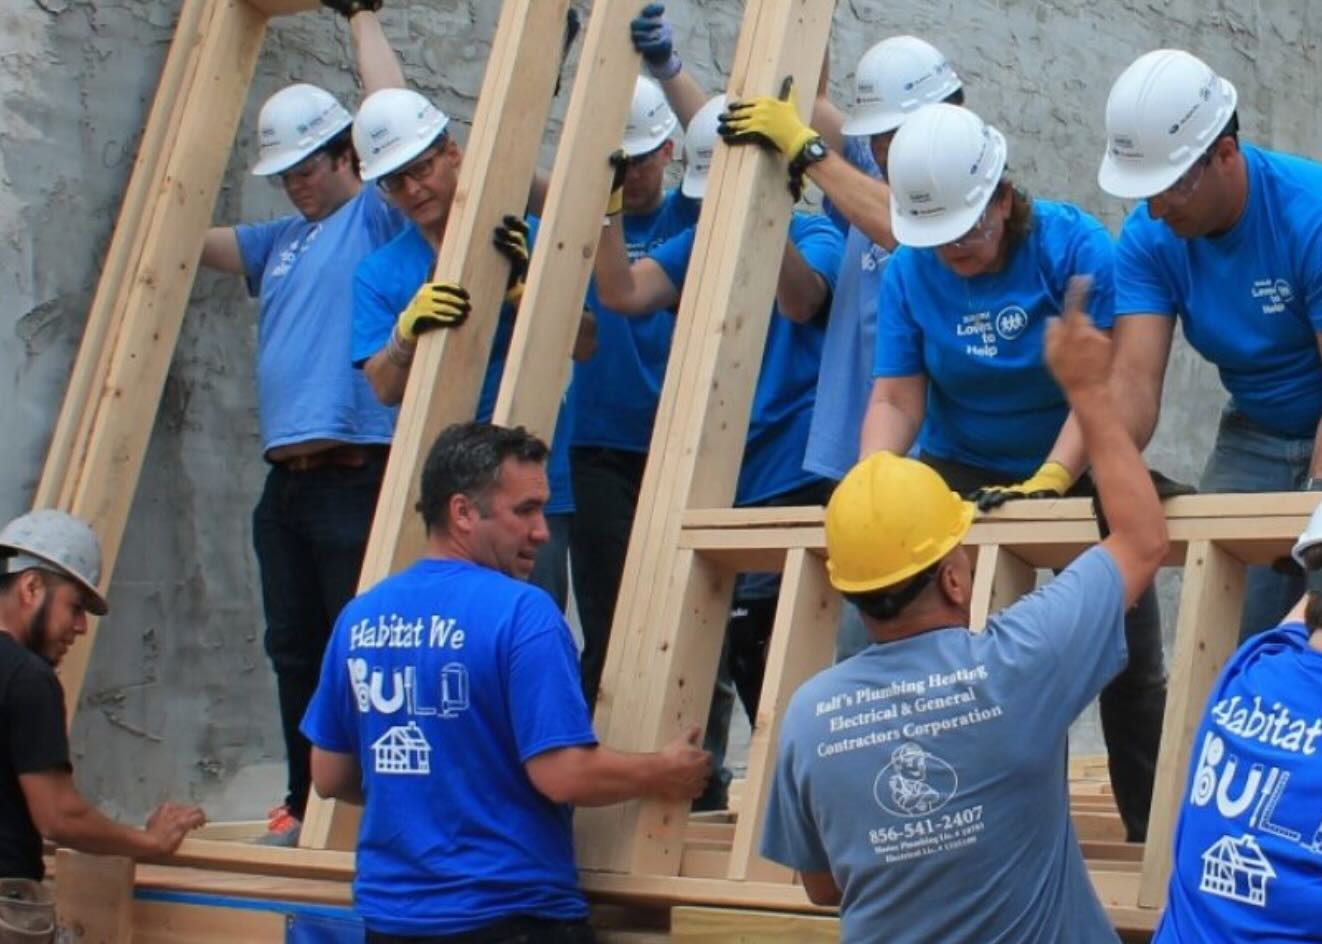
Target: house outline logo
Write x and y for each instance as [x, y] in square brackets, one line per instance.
[402, 750]
[1236, 869]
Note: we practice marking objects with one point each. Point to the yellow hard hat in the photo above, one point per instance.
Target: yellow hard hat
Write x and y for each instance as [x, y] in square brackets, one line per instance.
[890, 518]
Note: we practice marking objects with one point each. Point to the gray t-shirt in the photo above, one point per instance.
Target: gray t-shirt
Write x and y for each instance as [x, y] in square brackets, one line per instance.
[928, 776]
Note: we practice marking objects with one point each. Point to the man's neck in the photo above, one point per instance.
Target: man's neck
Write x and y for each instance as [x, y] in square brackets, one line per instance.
[434, 233]
[906, 626]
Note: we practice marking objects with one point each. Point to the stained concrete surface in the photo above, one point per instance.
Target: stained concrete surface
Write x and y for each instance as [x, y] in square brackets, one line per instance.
[180, 700]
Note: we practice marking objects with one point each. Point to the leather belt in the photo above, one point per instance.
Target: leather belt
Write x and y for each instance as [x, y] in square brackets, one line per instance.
[337, 457]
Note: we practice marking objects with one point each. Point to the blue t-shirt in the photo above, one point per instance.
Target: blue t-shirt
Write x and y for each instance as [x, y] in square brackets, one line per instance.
[383, 286]
[787, 383]
[1248, 846]
[617, 389]
[1249, 301]
[443, 681]
[991, 402]
[904, 772]
[302, 272]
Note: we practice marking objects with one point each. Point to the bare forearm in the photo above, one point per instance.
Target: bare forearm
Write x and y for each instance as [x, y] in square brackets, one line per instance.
[605, 776]
[864, 200]
[894, 416]
[84, 828]
[386, 378]
[801, 292]
[378, 66]
[685, 96]
[1315, 467]
[1069, 449]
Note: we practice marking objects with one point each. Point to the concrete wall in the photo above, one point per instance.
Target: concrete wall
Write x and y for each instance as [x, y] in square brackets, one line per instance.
[180, 700]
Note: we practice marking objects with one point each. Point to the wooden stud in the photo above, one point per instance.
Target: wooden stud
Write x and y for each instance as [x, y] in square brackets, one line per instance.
[709, 386]
[999, 579]
[1206, 634]
[539, 356]
[94, 897]
[449, 366]
[802, 644]
[155, 292]
[693, 925]
[168, 922]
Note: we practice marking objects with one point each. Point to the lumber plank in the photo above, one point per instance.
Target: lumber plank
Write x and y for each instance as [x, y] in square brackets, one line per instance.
[802, 644]
[705, 405]
[285, 7]
[1206, 634]
[94, 897]
[539, 359]
[156, 291]
[999, 579]
[105, 316]
[695, 925]
[240, 885]
[449, 366]
[168, 922]
[227, 856]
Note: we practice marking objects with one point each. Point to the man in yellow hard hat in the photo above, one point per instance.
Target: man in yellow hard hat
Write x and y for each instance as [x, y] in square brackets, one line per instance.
[921, 784]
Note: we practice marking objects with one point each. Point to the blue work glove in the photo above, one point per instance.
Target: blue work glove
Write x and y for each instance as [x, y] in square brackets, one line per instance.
[654, 37]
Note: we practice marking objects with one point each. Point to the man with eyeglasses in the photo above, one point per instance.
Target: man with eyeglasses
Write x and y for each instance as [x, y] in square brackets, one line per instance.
[411, 157]
[1228, 237]
[323, 433]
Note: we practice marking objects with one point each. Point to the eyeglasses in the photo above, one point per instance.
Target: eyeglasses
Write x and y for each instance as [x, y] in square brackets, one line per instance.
[982, 231]
[1180, 192]
[301, 172]
[418, 171]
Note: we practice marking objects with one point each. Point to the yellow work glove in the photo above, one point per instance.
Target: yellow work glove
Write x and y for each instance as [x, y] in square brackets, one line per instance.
[771, 122]
[1051, 481]
[511, 240]
[619, 168]
[436, 305]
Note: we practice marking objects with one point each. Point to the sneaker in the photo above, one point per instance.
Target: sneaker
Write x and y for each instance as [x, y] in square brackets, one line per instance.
[282, 828]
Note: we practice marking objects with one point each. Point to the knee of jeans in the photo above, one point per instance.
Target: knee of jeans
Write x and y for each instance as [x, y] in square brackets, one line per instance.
[292, 651]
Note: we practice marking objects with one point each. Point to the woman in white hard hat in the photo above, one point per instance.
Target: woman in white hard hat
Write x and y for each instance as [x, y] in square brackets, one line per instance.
[960, 370]
[1248, 845]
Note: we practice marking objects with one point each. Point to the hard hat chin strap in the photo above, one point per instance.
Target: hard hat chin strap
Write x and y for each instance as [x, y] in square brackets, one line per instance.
[886, 604]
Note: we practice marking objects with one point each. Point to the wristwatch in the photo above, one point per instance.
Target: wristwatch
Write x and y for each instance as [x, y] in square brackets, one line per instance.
[812, 152]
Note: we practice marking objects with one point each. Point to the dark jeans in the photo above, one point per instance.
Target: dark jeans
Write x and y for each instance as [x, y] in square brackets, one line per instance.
[551, 570]
[518, 930]
[606, 485]
[744, 654]
[1133, 704]
[310, 532]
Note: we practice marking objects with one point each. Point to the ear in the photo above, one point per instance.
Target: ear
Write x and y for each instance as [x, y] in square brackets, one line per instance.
[31, 589]
[669, 148]
[463, 513]
[952, 582]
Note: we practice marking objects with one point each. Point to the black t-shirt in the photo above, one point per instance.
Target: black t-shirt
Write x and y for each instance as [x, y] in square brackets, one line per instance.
[32, 739]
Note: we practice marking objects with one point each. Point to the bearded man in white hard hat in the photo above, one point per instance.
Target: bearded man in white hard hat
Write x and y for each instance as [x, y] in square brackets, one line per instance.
[50, 565]
[1227, 237]
[324, 436]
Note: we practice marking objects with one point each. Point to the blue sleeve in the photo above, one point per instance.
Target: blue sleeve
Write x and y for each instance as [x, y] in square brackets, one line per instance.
[1309, 267]
[256, 243]
[820, 244]
[385, 221]
[374, 315]
[673, 256]
[899, 343]
[1094, 255]
[1068, 638]
[1141, 288]
[790, 835]
[544, 690]
[329, 722]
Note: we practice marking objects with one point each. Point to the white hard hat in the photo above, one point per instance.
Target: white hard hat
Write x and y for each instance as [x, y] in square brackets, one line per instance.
[651, 120]
[294, 122]
[1312, 535]
[895, 78]
[57, 541]
[393, 127]
[699, 146]
[1162, 114]
[944, 166]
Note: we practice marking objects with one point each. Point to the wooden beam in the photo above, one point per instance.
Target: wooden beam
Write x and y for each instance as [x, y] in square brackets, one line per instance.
[226, 856]
[720, 335]
[539, 356]
[169, 922]
[449, 366]
[999, 579]
[1206, 634]
[694, 925]
[802, 644]
[285, 7]
[106, 464]
[94, 897]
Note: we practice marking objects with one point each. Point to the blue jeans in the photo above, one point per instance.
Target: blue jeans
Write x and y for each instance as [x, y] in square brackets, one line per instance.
[551, 570]
[310, 532]
[1248, 458]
